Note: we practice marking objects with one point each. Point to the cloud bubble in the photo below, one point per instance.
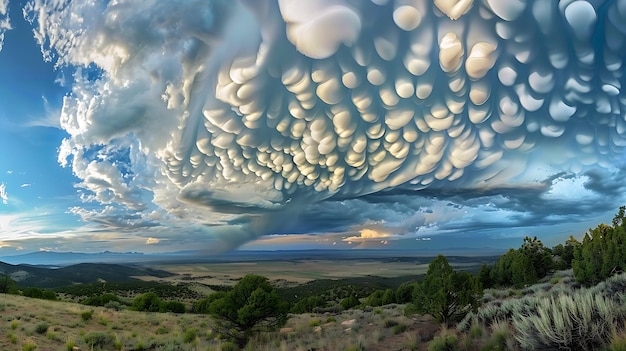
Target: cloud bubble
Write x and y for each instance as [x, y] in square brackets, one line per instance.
[246, 109]
[5, 22]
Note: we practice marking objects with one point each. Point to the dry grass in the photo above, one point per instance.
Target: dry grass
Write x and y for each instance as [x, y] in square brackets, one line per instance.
[55, 325]
[286, 273]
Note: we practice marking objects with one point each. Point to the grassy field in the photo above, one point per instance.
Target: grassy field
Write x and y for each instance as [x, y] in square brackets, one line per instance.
[294, 272]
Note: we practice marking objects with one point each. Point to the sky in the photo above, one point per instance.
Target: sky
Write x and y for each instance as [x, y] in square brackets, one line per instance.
[160, 125]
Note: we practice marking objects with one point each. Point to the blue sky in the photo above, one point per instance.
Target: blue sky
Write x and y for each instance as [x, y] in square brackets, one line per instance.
[170, 125]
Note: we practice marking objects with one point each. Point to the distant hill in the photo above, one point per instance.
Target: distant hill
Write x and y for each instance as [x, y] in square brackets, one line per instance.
[42, 277]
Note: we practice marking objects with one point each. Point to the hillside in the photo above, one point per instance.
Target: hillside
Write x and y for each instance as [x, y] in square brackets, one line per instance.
[40, 277]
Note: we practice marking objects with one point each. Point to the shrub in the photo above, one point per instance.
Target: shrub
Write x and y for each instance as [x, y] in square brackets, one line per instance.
[349, 302]
[446, 341]
[388, 323]
[100, 340]
[190, 335]
[398, 329]
[41, 328]
[582, 320]
[33, 292]
[69, 345]
[148, 302]
[29, 346]
[86, 315]
[175, 306]
[113, 305]
[618, 343]
[253, 305]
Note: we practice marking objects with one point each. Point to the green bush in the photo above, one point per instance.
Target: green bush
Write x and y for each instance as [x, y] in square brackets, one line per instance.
[100, 340]
[148, 302]
[190, 335]
[33, 292]
[100, 300]
[175, 306]
[86, 315]
[349, 302]
[41, 328]
[444, 342]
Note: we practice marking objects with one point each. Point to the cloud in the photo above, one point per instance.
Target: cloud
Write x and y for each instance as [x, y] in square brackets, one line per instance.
[152, 241]
[3, 194]
[25, 185]
[5, 23]
[248, 114]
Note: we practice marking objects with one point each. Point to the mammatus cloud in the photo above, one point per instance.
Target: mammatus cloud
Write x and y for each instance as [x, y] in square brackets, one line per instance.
[242, 115]
[3, 194]
[5, 23]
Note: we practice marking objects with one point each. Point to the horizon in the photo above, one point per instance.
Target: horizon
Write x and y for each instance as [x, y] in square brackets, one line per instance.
[276, 125]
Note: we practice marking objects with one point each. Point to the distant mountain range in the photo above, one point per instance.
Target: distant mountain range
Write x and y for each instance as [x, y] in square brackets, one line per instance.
[60, 259]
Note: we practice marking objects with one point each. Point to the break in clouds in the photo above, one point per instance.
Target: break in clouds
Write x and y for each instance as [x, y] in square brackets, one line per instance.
[261, 117]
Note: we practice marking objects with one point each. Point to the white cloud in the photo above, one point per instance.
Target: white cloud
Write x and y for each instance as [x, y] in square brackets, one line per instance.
[5, 23]
[3, 194]
[152, 241]
[194, 112]
[25, 185]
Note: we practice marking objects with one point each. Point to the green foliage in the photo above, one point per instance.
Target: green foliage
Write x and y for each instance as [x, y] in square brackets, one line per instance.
[100, 340]
[202, 306]
[7, 285]
[41, 328]
[444, 342]
[308, 304]
[389, 297]
[375, 299]
[521, 267]
[349, 302]
[100, 300]
[148, 302]
[86, 315]
[564, 254]
[190, 335]
[404, 293]
[49, 295]
[175, 306]
[398, 329]
[29, 346]
[602, 252]
[445, 294]
[35, 293]
[163, 290]
[252, 305]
